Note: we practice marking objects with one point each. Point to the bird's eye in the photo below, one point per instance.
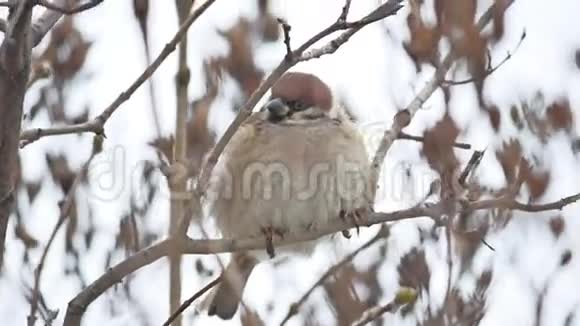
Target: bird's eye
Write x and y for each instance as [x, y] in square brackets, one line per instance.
[297, 105]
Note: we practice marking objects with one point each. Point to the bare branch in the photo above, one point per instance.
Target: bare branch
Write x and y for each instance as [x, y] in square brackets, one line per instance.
[507, 202]
[406, 136]
[404, 296]
[68, 11]
[295, 307]
[97, 124]
[403, 118]
[48, 19]
[31, 135]
[376, 312]
[15, 57]
[184, 245]
[45, 22]
[189, 301]
[177, 181]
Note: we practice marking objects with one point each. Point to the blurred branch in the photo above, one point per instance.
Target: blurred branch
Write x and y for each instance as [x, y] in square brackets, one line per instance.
[48, 19]
[68, 11]
[65, 211]
[177, 181]
[78, 305]
[97, 124]
[3, 25]
[141, 11]
[189, 301]
[295, 307]
[15, 58]
[404, 117]
[8, 4]
[489, 70]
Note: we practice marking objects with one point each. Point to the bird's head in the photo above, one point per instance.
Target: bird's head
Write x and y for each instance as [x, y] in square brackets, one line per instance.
[299, 97]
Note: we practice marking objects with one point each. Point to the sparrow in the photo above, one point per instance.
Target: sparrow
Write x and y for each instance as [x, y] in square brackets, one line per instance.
[297, 163]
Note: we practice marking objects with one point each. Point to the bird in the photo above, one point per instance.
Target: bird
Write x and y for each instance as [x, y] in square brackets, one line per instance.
[293, 165]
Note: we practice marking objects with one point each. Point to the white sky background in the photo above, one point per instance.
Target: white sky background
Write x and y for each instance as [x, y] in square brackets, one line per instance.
[375, 76]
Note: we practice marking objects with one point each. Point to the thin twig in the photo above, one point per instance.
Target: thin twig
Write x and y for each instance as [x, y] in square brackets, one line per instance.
[65, 211]
[344, 13]
[471, 166]
[403, 135]
[141, 12]
[376, 312]
[295, 307]
[508, 202]
[97, 124]
[404, 296]
[286, 30]
[189, 301]
[490, 70]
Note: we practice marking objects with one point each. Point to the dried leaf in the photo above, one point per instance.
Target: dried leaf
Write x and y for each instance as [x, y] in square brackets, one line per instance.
[60, 171]
[240, 61]
[494, 117]
[557, 225]
[560, 116]
[422, 46]
[566, 257]
[438, 146]
[413, 270]
[32, 188]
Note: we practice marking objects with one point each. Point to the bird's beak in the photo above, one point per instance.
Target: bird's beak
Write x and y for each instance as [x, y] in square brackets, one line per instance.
[277, 109]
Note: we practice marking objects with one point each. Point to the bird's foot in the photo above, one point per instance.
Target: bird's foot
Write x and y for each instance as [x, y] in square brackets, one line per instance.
[269, 233]
[357, 217]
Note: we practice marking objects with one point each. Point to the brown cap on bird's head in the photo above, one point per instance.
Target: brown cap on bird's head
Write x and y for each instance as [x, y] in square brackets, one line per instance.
[307, 88]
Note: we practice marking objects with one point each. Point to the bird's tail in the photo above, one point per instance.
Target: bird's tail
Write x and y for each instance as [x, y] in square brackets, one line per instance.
[231, 288]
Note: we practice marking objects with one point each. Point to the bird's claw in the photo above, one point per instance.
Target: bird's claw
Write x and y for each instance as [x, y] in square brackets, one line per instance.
[357, 217]
[269, 232]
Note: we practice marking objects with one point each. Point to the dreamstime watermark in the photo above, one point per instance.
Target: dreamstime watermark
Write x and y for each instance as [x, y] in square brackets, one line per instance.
[281, 181]
[112, 176]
